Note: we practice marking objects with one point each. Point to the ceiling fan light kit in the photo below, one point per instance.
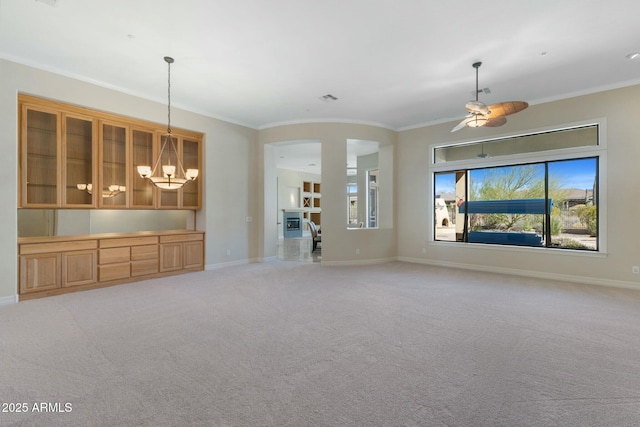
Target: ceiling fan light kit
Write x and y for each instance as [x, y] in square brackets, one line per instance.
[476, 121]
[490, 116]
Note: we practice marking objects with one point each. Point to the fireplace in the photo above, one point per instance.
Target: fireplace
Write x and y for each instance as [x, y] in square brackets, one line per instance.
[292, 223]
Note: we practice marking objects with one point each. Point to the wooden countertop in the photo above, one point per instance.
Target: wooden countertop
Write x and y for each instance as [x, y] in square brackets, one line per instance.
[47, 239]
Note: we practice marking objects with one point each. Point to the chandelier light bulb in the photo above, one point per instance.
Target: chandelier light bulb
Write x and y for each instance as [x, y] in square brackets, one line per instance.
[191, 174]
[144, 171]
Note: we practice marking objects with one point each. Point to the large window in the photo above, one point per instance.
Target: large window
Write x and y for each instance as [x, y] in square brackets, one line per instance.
[548, 203]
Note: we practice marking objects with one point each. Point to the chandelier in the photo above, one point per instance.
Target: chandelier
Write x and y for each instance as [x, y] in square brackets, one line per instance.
[169, 176]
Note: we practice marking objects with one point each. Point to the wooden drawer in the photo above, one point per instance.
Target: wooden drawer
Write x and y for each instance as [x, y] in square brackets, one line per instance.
[114, 255]
[40, 248]
[144, 252]
[181, 238]
[114, 271]
[128, 241]
[144, 267]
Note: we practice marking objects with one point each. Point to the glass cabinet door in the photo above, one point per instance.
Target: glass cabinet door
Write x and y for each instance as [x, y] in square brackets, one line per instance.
[191, 191]
[78, 161]
[113, 166]
[142, 190]
[40, 161]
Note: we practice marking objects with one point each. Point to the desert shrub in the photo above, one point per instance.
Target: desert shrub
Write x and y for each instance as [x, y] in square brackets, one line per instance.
[588, 216]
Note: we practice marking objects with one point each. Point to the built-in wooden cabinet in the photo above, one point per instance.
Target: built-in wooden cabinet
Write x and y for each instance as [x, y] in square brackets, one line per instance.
[179, 252]
[47, 265]
[56, 265]
[74, 157]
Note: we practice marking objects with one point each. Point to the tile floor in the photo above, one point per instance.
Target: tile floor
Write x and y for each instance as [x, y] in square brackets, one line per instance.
[299, 249]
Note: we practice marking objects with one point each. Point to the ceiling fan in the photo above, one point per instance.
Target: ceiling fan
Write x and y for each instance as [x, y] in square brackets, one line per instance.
[491, 116]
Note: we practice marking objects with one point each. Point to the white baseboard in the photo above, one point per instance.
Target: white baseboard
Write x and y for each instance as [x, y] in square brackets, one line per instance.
[357, 262]
[240, 262]
[13, 299]
[226, 264]
[526, 273]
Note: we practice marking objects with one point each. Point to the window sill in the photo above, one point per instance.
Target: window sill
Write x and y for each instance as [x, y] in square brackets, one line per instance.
[523, 249]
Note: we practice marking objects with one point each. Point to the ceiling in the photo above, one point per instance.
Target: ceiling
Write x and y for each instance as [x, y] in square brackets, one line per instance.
[394, 63]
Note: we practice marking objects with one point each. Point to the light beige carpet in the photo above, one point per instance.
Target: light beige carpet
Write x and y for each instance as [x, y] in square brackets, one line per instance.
[298, 344]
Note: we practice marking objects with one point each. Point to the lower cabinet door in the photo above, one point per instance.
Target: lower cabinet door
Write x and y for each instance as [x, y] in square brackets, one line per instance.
[170, 256]
[40, 272]
[79, 268]
[193, 254]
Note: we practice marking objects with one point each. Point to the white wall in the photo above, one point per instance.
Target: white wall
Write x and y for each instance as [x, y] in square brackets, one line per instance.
[229, 174]
[619, 181]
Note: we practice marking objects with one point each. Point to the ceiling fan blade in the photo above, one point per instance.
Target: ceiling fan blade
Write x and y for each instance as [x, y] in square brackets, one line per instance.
[506, 108]
[460, 125]
[495, 122]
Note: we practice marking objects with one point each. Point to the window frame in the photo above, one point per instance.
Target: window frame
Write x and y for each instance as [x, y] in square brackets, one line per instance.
[574, 153]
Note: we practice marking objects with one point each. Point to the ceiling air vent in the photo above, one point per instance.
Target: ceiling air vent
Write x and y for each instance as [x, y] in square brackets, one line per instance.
[328, 98]
[49, 2]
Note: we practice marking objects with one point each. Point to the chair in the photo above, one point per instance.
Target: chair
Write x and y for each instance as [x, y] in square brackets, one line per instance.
[315, 236]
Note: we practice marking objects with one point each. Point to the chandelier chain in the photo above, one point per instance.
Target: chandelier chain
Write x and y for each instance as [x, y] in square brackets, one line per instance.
[169, 99]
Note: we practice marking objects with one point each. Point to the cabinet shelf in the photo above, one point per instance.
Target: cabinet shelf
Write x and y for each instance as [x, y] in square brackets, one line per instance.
[77, 160]
[105, 162]
[46, 131]
[39, 155]
[42, 185]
